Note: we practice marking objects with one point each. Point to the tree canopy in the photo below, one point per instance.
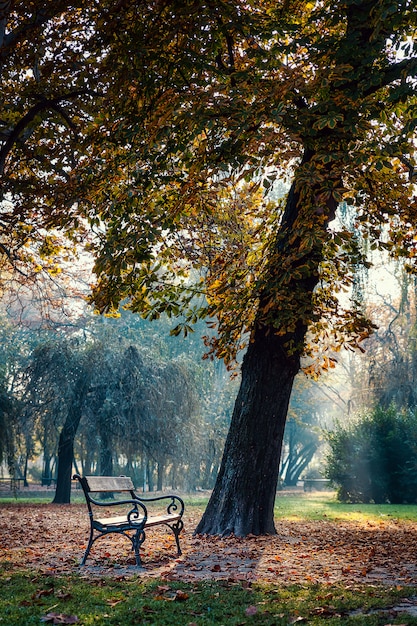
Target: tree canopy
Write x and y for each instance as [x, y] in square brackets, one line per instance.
[215, 112]
[168, 126]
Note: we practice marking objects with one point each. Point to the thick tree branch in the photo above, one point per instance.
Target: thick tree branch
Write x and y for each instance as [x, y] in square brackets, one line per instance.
[43, 105]
[396, 71]
[412, 172]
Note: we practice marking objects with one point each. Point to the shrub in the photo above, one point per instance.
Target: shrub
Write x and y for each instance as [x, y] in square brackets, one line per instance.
[374, 459]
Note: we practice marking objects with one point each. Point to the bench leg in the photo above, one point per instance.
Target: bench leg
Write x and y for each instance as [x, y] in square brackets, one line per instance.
[137, 540]
[176, 529]
[87, 552]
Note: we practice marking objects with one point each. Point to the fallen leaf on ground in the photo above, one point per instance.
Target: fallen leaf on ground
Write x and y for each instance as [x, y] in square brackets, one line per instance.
[251, 610]
[59, 618]
[319, 551]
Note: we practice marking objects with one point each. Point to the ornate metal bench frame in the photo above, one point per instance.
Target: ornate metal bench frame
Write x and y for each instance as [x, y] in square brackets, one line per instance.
[135, 518]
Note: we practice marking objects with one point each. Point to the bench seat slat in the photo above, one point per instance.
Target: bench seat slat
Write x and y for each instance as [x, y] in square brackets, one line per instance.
[161, 519]
[151, 521]
[118, 521]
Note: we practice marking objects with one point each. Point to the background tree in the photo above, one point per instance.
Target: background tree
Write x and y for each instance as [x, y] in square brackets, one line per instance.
[57, 385]
[372, 454]
[38, 363]
[16, 345]
[388, 371]
[7, 443]
[140, 408]
[301, 442]
[374, 458]
[314, 406]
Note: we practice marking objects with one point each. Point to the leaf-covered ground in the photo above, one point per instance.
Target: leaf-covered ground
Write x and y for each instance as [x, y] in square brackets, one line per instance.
[52, 539]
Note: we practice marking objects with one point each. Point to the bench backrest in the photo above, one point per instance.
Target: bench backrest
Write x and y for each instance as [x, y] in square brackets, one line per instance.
[108, 483]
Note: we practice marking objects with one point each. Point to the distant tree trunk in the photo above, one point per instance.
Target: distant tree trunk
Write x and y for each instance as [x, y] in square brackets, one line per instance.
[174, 474]
[192, 476]
[25, 470]
[46, 471]
[160, 476]
[87, 465]
[149, 471]
[77, 469]
[66, 441]
[144, 471]
[209, 464]
[297, 462]
[65, 457]
[106, 457]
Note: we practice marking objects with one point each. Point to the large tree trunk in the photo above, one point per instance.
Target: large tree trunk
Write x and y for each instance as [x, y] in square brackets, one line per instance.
[243, 499]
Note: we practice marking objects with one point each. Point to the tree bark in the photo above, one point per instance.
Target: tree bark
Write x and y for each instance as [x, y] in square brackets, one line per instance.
[243, 498]
[65, 457]
[160, 476]
[66, 441]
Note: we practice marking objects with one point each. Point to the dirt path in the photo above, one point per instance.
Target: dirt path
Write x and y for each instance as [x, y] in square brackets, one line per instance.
[52, 539]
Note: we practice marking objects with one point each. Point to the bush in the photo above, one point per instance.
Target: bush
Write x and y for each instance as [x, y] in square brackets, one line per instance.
[374, 459]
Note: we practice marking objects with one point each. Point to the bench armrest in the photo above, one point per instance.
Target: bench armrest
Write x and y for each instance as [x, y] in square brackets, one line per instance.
[133, 513]
[175, 503]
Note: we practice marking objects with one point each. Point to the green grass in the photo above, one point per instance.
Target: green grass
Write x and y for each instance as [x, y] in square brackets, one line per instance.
[26, 598]
[298, 506]
[24, 499]
[324, 506]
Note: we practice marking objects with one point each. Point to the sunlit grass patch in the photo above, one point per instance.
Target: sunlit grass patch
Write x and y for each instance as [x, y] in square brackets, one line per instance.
[324, 506]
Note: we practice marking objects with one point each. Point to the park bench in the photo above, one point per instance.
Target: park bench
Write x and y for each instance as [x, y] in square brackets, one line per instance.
[11, 483]
[115, 495]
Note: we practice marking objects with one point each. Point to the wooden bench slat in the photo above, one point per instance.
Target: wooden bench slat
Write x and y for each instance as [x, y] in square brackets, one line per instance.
[114, 521]
[151, 521]
[109, 483]
[161, 519]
